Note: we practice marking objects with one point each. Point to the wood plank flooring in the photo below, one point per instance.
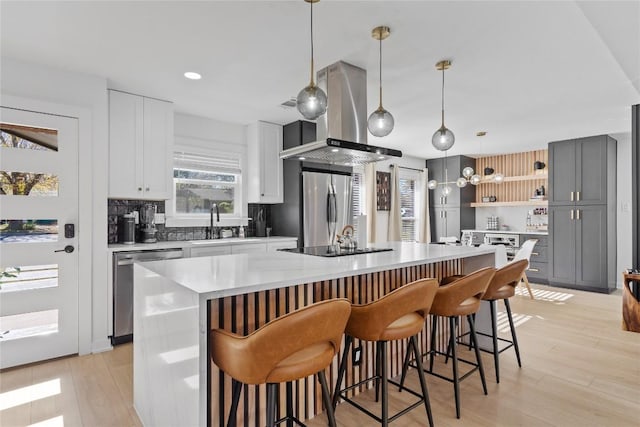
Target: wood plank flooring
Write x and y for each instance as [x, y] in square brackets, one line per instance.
[579, 369]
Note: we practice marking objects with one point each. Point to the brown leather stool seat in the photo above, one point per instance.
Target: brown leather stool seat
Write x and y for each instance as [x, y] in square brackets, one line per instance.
[503, 286]
[459, 298]
[396, 316]
[288, 348]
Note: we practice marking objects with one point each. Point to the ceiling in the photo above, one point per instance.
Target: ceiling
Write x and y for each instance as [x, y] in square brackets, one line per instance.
[525, 72]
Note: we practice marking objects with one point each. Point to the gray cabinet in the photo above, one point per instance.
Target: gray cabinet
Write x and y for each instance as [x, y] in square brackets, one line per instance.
[538, 271]
[452, 213]
[582, 216]
[579, 171]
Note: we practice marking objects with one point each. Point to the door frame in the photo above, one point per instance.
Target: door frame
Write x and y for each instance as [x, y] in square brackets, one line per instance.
[84, 229]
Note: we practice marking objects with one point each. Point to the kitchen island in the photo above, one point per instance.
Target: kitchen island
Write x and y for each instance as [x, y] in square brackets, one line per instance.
[177, 302]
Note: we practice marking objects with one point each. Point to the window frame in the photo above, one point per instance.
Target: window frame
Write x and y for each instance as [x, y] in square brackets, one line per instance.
[413, 175]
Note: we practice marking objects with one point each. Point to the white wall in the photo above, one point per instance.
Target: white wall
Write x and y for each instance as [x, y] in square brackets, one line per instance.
[624, 219]
[85, 97]
[513, 216]
[382, 220]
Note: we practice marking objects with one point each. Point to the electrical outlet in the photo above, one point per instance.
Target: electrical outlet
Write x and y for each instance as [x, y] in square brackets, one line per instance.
[356, 355]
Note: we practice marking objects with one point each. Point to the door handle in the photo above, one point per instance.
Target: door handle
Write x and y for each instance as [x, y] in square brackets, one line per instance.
[577, 196]
[577, 213]
[572, 214]
[572, 197]
[68, 249]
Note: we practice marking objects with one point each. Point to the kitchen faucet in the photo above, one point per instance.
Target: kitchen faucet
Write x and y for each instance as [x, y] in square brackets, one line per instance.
[213, 231]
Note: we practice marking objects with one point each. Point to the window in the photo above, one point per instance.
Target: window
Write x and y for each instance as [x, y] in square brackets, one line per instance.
[409, 204]
[201, 181]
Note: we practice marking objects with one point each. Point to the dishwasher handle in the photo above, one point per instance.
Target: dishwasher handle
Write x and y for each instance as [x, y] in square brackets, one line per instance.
[129, 259]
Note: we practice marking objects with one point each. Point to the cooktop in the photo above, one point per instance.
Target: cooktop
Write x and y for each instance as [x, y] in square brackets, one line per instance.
[334, 251]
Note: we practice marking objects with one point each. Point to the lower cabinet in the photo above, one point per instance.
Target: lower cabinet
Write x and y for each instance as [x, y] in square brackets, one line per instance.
[580, 253]
[210, 250]
[287, 244]
[538, 271]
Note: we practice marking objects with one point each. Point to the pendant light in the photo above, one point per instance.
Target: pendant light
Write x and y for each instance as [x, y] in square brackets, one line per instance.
[312, 101]
[380, 122]
[443, 138]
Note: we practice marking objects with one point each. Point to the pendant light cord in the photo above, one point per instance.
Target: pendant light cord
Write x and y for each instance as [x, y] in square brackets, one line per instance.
[312, 82]
[442, 101]
[380, 64]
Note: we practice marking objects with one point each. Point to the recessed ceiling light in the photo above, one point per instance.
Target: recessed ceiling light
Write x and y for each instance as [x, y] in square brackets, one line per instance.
[192, 75]
[301, 158]
[380, 157]
[481, 133]
[334, 150]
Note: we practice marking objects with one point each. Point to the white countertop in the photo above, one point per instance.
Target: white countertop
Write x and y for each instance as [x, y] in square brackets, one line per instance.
[119, 247]
[226, 275]
[538, 233]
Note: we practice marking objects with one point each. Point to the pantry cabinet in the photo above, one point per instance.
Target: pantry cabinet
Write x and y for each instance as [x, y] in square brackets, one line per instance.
[264, 172]
[140, 143]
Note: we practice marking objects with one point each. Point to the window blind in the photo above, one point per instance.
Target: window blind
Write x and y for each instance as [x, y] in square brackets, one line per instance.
[408, 209]
[203, 162]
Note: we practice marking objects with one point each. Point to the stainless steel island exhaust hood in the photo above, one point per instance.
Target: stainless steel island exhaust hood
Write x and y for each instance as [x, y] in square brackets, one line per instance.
[342, 131]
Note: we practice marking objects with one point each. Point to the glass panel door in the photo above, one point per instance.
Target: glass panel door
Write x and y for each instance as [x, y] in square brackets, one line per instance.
[38, 196]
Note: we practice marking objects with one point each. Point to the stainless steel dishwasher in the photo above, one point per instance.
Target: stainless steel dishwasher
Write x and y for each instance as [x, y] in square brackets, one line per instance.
[123, 288]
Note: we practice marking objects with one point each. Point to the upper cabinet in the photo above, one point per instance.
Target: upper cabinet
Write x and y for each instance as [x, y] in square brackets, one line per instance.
[140, 141]
[581, 171]
[264, 171]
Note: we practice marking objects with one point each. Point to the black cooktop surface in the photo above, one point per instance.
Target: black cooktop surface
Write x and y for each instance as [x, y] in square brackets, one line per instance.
[334, 251]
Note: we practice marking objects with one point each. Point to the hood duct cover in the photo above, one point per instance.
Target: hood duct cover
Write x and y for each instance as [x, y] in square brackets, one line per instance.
[342, 131]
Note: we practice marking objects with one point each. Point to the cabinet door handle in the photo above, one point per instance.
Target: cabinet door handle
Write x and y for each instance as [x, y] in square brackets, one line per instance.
[533, 269]
[139, 188]
[572, 214]
[577, 213]
[535, 253]
[572, 197]
[577, 196]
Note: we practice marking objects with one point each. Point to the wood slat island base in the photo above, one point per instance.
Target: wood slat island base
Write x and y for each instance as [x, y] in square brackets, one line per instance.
[156, 338]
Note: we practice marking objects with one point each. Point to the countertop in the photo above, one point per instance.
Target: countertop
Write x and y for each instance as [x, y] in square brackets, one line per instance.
[119, 247]
[227, 275]
[538, 233]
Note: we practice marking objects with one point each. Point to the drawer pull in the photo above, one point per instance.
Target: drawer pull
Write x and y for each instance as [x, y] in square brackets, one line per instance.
[534, 269]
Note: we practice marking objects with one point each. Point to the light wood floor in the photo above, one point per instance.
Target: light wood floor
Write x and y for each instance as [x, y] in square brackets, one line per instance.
[579, 369]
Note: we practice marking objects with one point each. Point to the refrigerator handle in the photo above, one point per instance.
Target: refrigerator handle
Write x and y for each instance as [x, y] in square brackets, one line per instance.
[332, 213]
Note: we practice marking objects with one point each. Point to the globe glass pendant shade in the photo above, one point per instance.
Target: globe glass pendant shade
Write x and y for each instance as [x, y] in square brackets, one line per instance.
[312, 102]
[498, 178]
[433, 184]
[380, 122]
[467, 172]
[461, 182]
[446, 190]
[475, 179]
[443, 139]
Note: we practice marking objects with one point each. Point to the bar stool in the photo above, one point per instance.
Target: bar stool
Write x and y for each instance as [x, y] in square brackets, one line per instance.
[396, 316]
[286, 349]
[503, 286]
[459, 298]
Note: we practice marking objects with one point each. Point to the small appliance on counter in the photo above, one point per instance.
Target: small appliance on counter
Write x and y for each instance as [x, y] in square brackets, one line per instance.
[148, 223]
[127, 229]
[493, 223]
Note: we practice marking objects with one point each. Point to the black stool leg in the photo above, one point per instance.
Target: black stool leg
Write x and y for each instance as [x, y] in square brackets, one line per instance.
[474, 337]
[454, 355]
[432, 354]
[326, 398]
[494, 332]
[423, 382]
[378, 374]
[272, 392]
[236, 387]
[405, 364]
[446, 358]
[385, 394]
[289, 404]
[513, 331]
[348, 339]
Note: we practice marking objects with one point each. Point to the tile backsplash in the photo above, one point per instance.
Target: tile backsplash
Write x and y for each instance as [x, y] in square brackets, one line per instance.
[117, 207]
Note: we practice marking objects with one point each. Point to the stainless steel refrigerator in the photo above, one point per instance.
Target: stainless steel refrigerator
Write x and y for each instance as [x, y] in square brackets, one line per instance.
[326, 206]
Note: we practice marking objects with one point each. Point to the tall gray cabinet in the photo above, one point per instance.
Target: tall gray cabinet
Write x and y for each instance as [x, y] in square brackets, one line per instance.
[582, 213]
[452, 213]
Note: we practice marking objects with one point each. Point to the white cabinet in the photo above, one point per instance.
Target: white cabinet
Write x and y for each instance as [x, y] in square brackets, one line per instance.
[283, 244]
[210, 250]
[140, 143]
[264, 171]
[249, 248]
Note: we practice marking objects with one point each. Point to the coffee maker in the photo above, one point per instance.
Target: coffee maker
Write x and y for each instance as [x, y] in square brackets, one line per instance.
[148, 223]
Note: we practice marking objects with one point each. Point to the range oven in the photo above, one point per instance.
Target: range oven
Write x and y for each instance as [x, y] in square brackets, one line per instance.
[510, 241]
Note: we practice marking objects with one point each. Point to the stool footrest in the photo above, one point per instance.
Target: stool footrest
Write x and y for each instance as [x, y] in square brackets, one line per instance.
[294, 419]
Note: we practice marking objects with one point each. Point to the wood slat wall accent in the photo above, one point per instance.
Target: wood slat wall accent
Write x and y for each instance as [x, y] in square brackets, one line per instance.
[243, 314]
[510, 165]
